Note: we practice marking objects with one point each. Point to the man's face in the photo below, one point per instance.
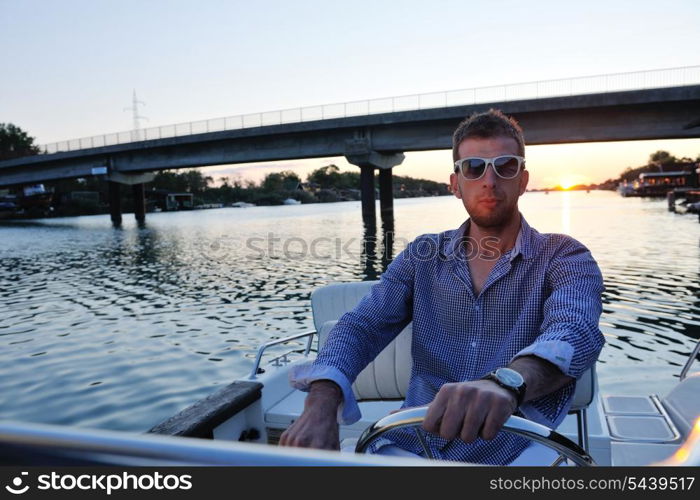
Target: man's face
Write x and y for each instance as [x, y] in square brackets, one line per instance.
[491, 202]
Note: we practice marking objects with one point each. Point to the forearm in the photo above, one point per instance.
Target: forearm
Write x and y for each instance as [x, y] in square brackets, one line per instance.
[541, 376]
[325, 396]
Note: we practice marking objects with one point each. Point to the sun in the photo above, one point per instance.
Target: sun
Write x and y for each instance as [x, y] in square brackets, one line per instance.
[567, 182]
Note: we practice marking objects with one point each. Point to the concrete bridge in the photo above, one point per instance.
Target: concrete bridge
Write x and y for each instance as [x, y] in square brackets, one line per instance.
[374, 140]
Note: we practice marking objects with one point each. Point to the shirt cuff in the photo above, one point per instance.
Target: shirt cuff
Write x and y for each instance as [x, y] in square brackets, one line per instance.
[300, 377]
[557, 352]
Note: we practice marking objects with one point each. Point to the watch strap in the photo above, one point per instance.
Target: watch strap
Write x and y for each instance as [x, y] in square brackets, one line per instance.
[518, 392]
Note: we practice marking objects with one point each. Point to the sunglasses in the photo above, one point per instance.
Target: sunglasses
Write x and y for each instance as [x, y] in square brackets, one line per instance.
[505, 167]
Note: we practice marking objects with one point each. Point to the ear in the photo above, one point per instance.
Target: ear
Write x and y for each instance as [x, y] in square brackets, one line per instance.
[454, 186]
[524, 178]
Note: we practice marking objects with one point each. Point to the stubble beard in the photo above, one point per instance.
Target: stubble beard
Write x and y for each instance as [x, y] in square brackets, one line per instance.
[496, 217]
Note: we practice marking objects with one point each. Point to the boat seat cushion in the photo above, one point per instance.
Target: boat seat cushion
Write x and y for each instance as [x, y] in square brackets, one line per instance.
[330, 302]
[388, 375]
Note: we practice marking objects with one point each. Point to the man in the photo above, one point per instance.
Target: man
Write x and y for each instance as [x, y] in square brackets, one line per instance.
[504, 318]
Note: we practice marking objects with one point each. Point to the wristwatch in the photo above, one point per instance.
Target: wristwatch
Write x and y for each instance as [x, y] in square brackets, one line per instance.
[509, 379]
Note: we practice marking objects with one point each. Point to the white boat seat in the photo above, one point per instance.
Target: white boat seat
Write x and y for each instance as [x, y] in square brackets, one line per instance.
[387, 377]
[330, 302]
[683, 404]
[585, 390]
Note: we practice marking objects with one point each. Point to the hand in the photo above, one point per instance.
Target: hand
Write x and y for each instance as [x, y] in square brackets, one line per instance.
[318, 425]
[470, 409]
[312, 430]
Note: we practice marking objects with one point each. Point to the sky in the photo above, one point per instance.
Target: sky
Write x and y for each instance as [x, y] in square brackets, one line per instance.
[70, 66]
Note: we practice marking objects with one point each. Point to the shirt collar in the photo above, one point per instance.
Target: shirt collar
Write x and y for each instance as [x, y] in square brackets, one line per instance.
[453, 244]
[523, 243]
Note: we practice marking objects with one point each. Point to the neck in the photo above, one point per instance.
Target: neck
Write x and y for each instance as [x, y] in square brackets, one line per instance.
[500, 237]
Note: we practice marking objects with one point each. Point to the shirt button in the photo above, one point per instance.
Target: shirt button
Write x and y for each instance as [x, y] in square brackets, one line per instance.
[473, 344]
[476, 307]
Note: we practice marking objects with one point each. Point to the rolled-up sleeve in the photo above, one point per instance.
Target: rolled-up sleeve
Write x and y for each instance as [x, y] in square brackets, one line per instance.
[361, 334]
[301, 377]
[570, 337]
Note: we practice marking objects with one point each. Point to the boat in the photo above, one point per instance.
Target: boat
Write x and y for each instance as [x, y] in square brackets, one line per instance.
[206, 206]
[242, 204]
[35, 196]
[8, 208]
[658, 184]
[241, 423]
[31, 200]
[291, 201]
[685, 200]
[624, 189]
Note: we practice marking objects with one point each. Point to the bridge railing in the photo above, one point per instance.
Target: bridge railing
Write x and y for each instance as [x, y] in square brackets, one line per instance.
[639, 80]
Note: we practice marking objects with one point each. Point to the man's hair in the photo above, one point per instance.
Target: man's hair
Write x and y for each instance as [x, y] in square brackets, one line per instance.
[485, 125]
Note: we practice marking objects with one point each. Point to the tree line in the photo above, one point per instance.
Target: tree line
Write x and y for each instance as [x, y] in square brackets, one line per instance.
[325, 184]
[322, 185]
[15, 142]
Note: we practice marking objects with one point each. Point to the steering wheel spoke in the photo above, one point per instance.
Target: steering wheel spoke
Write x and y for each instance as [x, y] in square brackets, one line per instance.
[413, 418]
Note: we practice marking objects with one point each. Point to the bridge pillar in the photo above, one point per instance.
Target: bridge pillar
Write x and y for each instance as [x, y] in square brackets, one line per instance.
[139, 191]
[386, 192]
[137, 182]
[358, 152]
[115, 203]
[367, 191]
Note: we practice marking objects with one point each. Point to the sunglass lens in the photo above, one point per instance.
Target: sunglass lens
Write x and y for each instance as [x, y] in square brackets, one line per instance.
[507, 166]
[473, 168]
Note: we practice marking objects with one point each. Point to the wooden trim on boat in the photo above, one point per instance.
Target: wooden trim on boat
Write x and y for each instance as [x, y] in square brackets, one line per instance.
[200, 419]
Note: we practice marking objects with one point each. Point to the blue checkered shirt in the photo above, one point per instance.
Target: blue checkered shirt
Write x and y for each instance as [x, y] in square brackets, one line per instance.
[542, 298]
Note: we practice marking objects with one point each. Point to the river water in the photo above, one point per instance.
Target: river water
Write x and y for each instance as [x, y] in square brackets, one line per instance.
[121, 328]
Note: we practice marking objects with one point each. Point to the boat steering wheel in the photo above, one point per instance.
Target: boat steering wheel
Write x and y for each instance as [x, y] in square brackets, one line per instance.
[413, 418]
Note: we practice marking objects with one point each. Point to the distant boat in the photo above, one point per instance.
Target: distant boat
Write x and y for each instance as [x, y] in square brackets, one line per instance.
[209, 205]
[626, 190]
[242, 204]
[291, 201]
[34, 197]
[7, 209]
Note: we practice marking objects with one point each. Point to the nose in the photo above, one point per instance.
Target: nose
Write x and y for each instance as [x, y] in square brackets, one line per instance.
[490, 178]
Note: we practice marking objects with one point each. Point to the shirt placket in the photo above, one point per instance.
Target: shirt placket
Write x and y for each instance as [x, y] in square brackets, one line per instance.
[481, 302]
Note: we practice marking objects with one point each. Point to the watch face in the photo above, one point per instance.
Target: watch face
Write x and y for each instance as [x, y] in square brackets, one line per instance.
[509, 377]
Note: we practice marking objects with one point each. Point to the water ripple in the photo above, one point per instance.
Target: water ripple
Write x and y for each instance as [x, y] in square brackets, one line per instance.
[121, 328]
